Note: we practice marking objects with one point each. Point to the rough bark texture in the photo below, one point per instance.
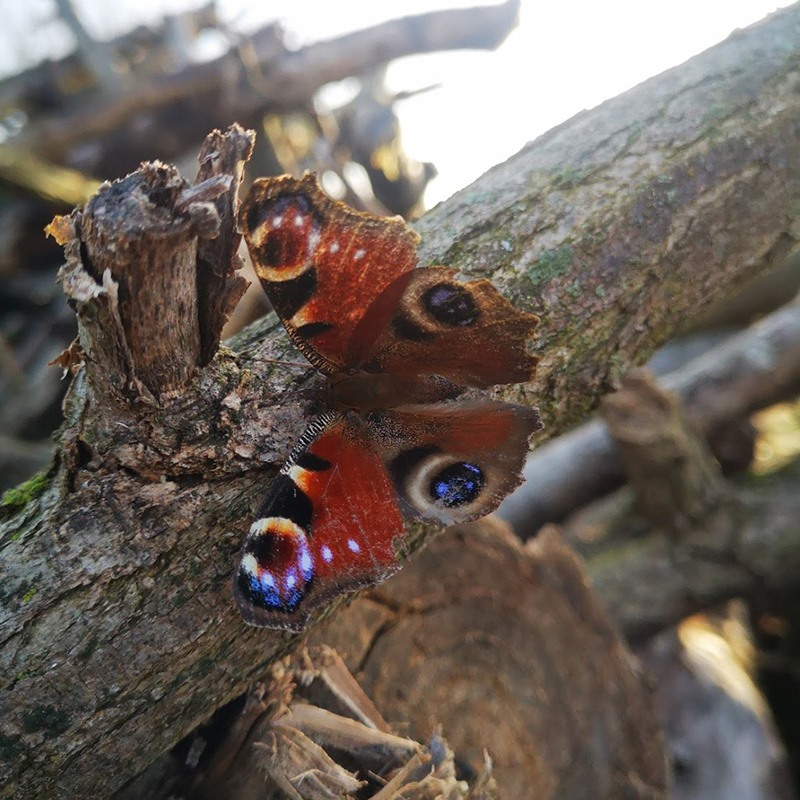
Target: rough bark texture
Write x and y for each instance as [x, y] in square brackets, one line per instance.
[118, 634]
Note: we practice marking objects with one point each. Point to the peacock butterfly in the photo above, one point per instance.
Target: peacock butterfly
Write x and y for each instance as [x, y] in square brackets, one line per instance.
[398, 345]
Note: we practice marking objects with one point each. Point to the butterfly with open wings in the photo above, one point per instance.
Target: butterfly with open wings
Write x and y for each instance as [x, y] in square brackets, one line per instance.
[398, 345]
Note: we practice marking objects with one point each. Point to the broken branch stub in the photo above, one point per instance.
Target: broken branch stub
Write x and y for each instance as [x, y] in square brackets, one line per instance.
[150, 297]
[677, 480]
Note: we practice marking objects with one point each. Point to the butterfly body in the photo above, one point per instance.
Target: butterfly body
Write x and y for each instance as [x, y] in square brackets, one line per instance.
[398, 346]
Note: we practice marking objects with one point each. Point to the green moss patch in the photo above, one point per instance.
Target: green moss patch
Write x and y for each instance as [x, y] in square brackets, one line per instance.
[551, 264]
[18, 497]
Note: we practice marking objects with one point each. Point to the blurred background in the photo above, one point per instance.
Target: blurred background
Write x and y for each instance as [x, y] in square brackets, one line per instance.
[560, 58]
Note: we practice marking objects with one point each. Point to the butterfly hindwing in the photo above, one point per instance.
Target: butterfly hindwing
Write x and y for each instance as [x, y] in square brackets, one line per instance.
[329, 525]
[454, 462]
[321, 263]
[466, 332]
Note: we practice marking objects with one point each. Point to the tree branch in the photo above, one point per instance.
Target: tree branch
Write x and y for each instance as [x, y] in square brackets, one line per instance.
[260, 76]
[629, 220]
[117, 630]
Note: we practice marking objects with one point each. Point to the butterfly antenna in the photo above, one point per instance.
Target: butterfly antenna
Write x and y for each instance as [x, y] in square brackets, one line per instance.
[297, 364]
[302, 390]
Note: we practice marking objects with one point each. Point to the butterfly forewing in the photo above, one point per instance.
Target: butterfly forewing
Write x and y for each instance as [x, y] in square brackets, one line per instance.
[330, 524]
[320, 263]
[466, 332]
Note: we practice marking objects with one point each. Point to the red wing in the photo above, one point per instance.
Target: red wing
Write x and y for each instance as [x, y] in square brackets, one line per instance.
[321, 264]
[465, 332]
[329, 525]
[454, 462]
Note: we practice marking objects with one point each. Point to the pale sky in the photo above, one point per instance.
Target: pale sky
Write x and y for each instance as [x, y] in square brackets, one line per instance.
[566, 55]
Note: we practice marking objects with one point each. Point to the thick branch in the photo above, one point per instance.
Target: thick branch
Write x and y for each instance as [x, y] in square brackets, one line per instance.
[118, 634]
[647, 582]
[624, 223]
[695, 539]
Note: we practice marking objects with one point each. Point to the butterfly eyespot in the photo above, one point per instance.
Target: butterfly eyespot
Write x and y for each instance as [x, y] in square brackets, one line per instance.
[457, 484]
[438, 485]
[450, 304]
[283, 237]
[276, 567]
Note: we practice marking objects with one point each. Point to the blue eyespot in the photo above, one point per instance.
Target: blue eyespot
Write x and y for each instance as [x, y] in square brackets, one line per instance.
[450, 304]
[277, 567]
[457, 484]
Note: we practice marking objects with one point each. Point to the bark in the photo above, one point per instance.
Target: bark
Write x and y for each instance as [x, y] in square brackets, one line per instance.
[506, 646]
[118, 634]
[696, 539]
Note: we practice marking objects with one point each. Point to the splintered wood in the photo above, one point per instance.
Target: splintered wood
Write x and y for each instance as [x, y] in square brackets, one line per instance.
[302, 749]
[507, 648]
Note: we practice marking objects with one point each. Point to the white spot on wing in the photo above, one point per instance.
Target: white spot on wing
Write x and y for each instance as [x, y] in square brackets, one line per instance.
[277, 221]
[352, 544]
[250, 565]
[334, 248]
[298, 220]
[297, 474]
[359, 254]
[327, 555]
[260, 526]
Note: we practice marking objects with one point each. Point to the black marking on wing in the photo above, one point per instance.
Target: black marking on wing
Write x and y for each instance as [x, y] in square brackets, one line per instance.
[406, 462]
[307, 460]
[269, 252]
[287, 500]
[312, 329]
[288, 297]
[409, 330]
